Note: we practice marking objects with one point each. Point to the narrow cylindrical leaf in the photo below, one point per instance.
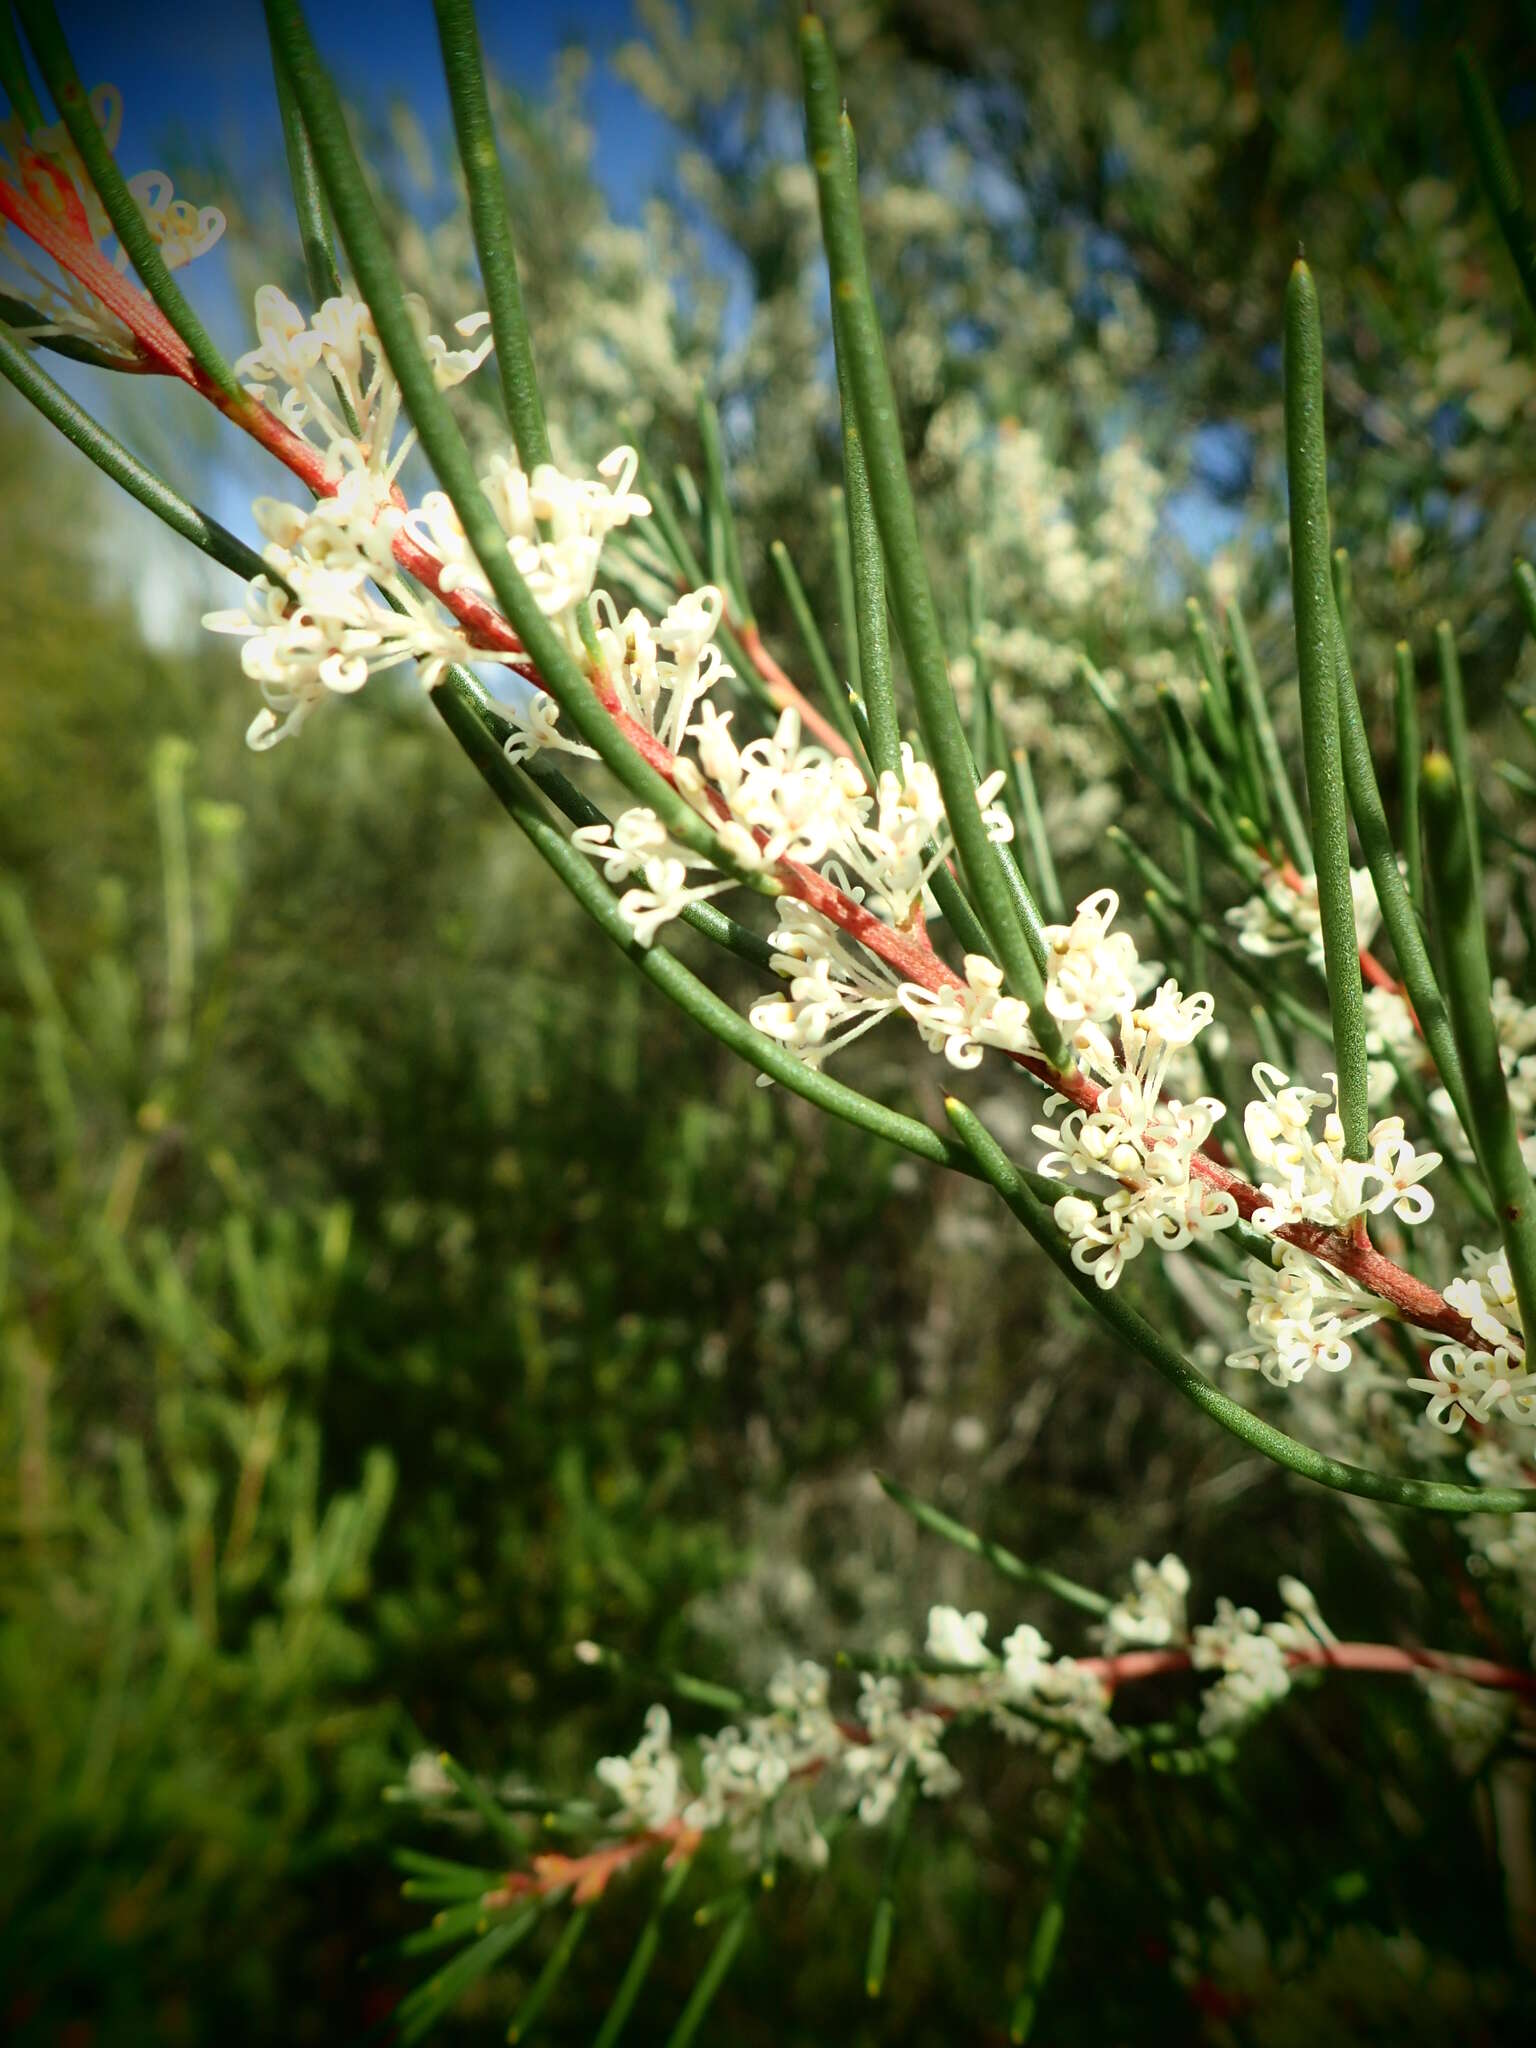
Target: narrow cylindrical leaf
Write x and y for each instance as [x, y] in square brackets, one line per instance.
[725, 564]
[1001, 1560]
[1316, 633]
[1408, 755]
[877, 684]
[1496, 167]
[713, 1976]
[1256, 711]
[14, 82]
[464, 67]
[898, 1827]
[911, 592]
[1397, 910]
[1047, 1934]
[847, 594]
[1458, 744]
[308, 199]
[640, 1961]
[545, 1984]
[1458, 917]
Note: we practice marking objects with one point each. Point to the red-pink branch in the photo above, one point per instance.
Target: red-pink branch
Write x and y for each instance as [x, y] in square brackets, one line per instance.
[1131, 1666]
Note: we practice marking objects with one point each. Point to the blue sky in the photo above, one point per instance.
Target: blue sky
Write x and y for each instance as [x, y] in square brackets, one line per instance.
[204, 70]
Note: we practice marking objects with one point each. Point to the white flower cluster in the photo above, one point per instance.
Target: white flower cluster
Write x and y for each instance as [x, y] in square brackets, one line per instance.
[1251, 1656]
[46, 167]
[1055, 1705]
[1284, 915]
[638, 843]
[555, 526]
[837, 991]
[1134, 1135]
[336, 632]
[1153, 1614]
[329, 382]
[1482, 1384]
[1300, 1314]
[762, 1781]
[1309, 1179]
[328, 379]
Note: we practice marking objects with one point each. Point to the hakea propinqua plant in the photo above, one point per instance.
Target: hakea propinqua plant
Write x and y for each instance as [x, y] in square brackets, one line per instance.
[901, 862]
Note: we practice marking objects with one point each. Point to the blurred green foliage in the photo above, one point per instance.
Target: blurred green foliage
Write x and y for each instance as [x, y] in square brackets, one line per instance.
[367, 1314]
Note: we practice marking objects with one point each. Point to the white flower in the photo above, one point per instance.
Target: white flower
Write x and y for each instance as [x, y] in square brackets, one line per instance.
[1479, 1384]
[1309, 1179]
[1090, 972]
[1253, 1667]
[836, 990]
[1253, 1658]
[1057, 1707]
[1284, 916]
[1135, 1136]
[337, 631]
[638, 843]
[555, 526]
[1300, 1314]
[648, 1783]
[956, 1638]
[329, 380]
[901, 1739]
[960, 1022]
[1152, 1614]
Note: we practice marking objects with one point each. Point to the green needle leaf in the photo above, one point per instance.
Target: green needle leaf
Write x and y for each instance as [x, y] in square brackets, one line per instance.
[1458, 744]
[725, 551]
[821, 661]
[555, 1967]
[464, 68]
[1396, 905]
[897, 1829]
[1256, 712]
[640, 1962]
[911, 593]
[308, 200]
[1001, 1560]
[1047, 1936]
[1316, 649]
[1496, 167]
[1408, 754]
[1459, 918]
[714, 1975]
